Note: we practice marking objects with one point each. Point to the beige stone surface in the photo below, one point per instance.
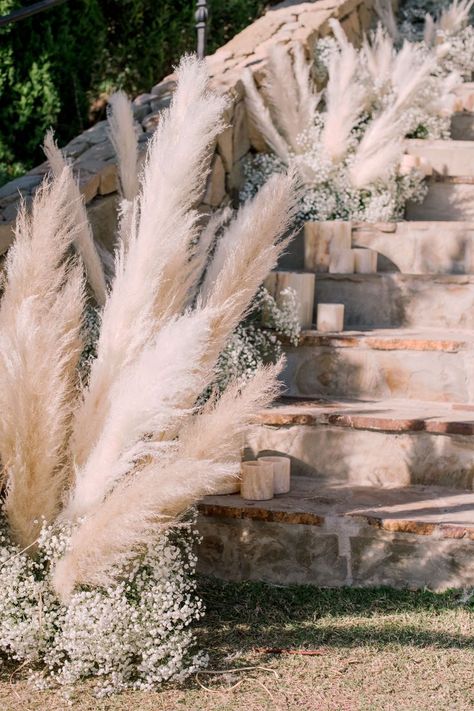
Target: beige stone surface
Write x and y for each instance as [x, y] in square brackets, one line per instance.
[322, 535]
[446, 157]
[420, 364]
[320, 239]
[420, 247]
[397, 300]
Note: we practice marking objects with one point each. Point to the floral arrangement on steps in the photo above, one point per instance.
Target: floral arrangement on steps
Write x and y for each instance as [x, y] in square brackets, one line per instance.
[346, 141]
[445, 25]
[99, 477]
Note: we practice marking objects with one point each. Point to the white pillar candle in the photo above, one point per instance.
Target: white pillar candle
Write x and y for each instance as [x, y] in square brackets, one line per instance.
[365, 261]
[257, 481]
[281, 472]
[342, 262]
[330, 317]
[303, 284]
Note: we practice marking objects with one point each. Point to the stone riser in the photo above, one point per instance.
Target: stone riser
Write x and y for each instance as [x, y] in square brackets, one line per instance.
[364, 372]
[409, 247]
[340, 553]
[462, 127]
[445, 157]
[396, 300]
[330, 537]
[344, 456]
[445, 201]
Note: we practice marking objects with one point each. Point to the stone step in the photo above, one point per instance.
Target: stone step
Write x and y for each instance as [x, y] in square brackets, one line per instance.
[413, 537]
[420, 364]
[400, 300]
[370, 443]
[446, 157]
[409, 247]
[449, 198]
[419, 247]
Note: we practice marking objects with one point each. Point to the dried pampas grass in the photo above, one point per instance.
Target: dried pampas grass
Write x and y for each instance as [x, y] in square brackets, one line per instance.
[40, 322]
[135, 448]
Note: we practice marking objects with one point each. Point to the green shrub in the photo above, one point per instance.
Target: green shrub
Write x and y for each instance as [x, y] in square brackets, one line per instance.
[54, 65]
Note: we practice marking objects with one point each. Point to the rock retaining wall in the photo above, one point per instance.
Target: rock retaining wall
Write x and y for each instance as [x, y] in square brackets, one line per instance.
[92, 153]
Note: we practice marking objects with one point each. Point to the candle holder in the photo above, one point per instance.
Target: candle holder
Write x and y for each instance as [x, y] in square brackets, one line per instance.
[321, 239]
[342, 262]
[281, 472]
[330, 318]
[257, 481]
[303, 284]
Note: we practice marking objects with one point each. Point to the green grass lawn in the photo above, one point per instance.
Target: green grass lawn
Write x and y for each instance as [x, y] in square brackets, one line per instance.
[379, 650]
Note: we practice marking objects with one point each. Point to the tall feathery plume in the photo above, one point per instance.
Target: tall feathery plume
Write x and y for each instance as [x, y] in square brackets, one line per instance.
[281, 92]
[384, 11]
[409, 75]
[379, 150]
[84, 240]
[124, 139]
[345, 101]
[158, 495]
[153, 278]
[455, 17]
[308, 98]
[260, 117]
[146, 401]
[40, 322]
[379, 56]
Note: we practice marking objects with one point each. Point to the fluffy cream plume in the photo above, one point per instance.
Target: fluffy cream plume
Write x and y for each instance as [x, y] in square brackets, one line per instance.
[384, 11]
[455, 17]
[40, 321]
[125, 142]
[249, 249]
[158, 495]
[154, 277]
[145, 401]
[84, 240]
[345, 100]
[260, 117]
[379, 55]
[409, 75]
[379, 150]
[429, 32]
[308, 99]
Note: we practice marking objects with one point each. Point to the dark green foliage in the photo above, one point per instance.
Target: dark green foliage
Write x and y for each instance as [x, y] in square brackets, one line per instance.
[54, 66]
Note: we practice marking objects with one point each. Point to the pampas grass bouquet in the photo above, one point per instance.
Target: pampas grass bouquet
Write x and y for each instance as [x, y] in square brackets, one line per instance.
[101, 472]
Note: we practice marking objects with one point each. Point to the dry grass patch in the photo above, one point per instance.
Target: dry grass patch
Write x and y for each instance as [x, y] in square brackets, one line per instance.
[380, 650]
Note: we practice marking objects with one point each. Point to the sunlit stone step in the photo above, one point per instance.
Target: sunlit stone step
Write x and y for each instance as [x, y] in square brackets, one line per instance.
[422, 364]
[410, 247]
[332, 536]
[445, 157]
[400, 300]
[371, 443]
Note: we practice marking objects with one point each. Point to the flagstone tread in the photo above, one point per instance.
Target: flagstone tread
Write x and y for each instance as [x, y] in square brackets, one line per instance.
[422, 339]
[421, 510]
[377, 415]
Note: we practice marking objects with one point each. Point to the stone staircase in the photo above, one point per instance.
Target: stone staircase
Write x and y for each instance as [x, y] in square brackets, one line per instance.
[379, 419]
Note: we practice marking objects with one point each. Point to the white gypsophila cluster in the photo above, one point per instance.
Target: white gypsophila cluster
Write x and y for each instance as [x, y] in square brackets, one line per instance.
[258, 340]
[458, 52]
[90, 335]
[133, 635]
[328, 192]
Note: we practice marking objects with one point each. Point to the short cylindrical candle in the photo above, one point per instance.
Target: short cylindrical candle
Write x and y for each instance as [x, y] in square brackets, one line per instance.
[365, 261]
[281, 472]
[342, 262]
[257, 481]
[330, 317]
